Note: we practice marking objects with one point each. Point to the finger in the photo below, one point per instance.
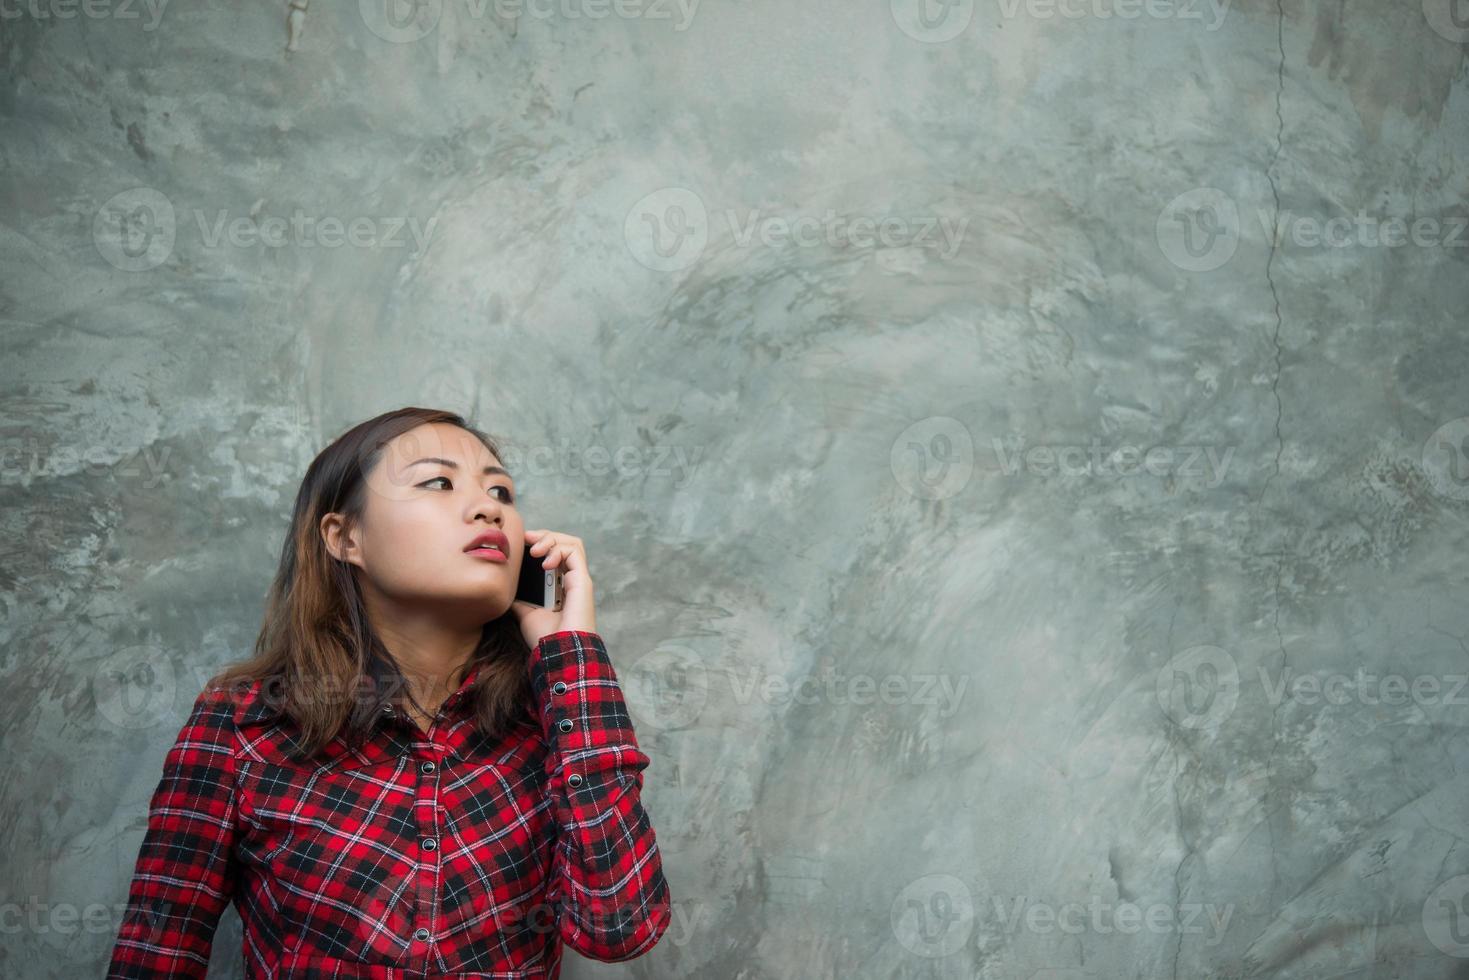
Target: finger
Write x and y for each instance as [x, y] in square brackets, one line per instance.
[576, 558]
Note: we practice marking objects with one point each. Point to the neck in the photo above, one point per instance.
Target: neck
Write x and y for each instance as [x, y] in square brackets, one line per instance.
[429, 649]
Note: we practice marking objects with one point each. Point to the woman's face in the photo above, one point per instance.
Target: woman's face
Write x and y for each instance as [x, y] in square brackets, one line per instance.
[434, 491]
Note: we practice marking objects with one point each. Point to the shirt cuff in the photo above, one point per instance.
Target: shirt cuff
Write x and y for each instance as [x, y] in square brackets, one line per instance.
[583, 713]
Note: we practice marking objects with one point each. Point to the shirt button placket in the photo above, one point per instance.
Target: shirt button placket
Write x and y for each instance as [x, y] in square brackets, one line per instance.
[429, 751]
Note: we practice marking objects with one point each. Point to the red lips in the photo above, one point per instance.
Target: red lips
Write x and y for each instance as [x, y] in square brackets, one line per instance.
[496, 538]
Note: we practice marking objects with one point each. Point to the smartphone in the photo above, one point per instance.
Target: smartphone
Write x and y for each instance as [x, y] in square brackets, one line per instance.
[538, 586]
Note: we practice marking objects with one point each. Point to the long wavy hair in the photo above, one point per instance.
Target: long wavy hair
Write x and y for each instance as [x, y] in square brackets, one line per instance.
[323, 665]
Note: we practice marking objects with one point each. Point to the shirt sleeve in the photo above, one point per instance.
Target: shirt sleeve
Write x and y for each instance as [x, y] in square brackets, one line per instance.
[607, 872]
[186, 867]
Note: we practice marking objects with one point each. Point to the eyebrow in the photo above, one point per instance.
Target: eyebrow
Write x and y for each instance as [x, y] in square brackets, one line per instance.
[487, 471]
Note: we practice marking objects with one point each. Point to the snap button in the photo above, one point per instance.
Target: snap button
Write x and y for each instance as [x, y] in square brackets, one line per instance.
[421, 935]
[574, 780]
[387, 709]
[425, 767]
[564, 724]
[559, 687]
[429, 843]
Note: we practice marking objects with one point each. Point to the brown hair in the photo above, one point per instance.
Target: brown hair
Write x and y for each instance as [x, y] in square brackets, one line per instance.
[324, 666]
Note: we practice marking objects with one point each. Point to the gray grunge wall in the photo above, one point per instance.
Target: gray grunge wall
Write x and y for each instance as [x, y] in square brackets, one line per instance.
[1022, 445]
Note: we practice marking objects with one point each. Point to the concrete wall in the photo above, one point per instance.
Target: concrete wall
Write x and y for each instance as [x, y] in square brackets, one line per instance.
[1032, 549]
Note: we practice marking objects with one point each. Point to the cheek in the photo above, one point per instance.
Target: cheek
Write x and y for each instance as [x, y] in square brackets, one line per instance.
[407, 553]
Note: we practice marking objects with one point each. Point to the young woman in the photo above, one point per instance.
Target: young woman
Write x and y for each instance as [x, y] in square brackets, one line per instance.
[416, 775]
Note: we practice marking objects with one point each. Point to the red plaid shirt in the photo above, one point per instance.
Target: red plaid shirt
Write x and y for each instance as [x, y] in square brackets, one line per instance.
[422, 854]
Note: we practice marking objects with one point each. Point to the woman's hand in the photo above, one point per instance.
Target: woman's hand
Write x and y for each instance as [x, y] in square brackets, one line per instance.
[563, 551]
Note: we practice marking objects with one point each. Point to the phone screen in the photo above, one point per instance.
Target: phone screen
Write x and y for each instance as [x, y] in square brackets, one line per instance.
[536, 586]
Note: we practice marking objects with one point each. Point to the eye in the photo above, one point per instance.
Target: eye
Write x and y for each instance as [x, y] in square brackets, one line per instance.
[509, 497]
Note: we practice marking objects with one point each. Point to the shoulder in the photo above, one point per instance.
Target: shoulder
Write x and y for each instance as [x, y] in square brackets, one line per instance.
[207, 737]
[250, 714]
[242, 703]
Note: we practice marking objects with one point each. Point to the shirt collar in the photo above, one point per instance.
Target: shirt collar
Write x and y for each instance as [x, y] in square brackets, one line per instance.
[454, 702]
[252, 708]
[462, 694]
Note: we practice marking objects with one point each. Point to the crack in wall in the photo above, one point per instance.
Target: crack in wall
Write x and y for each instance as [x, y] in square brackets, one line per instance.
[1279, 413]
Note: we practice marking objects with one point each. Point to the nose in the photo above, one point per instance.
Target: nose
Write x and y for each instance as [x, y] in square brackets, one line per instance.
[489, 510]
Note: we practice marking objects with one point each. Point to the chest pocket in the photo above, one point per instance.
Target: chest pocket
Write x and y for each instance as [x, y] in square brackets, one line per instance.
[337, 838]
[342, 789]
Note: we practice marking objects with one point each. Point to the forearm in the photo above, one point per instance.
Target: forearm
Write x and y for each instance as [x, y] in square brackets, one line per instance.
[185, 872]
[608, 867]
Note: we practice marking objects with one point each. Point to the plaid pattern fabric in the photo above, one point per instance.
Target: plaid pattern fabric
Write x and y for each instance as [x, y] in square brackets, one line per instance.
[419, 854]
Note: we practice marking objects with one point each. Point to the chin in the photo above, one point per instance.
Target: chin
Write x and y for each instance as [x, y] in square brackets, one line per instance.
[469, 596]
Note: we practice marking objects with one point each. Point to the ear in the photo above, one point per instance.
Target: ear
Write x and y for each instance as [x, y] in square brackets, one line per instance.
[338, 538]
